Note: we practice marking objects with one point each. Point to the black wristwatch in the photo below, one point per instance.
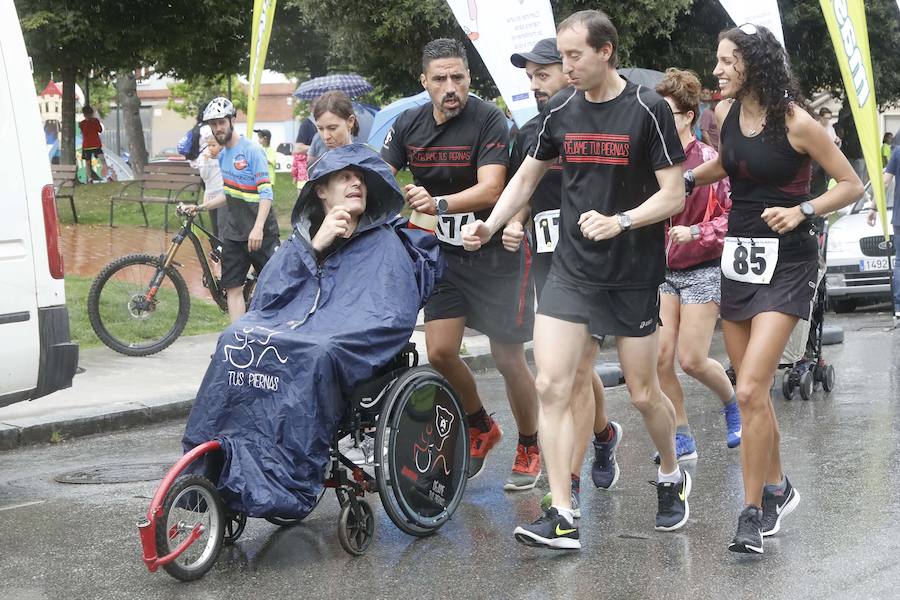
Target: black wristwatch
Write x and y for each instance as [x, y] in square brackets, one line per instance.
[688, 182]
[440, 205]
[807, 209]
[624, 221]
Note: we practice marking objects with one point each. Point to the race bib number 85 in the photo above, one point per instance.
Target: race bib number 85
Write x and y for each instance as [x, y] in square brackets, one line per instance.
[750, 260]
[546, 230]
[449, 227]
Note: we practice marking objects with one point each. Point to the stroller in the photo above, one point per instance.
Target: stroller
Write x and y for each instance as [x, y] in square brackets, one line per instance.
[805, 367]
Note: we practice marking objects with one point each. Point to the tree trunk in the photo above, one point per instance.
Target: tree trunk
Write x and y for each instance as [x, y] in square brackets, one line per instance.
[67, 134]
[131, 120]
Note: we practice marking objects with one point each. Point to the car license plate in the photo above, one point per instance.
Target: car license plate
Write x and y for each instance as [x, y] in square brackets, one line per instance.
[879, 263]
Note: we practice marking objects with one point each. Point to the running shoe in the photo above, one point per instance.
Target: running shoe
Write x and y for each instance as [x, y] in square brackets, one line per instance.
[777, 506]
[480, 443]
[550, 531]
[673, 510]
[526, 469]
[547, 500]
[605, 470]
[748, 539]
[685, 448]
[733, 423]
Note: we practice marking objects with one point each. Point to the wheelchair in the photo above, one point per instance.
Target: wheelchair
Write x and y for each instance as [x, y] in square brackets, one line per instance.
[421, 453]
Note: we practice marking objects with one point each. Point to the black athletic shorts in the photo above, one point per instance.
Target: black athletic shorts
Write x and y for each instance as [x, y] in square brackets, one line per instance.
[88, 153]
[541, 270]
[492, 289]
[625, 313]
[236, 260]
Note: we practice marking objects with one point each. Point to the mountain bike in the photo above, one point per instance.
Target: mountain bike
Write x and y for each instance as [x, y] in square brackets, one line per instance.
[139, 304]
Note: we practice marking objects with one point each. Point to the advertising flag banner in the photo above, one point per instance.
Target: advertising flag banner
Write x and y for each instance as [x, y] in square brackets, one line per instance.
[499, 29]
[846, 21]
[758, 12]
[263, 14]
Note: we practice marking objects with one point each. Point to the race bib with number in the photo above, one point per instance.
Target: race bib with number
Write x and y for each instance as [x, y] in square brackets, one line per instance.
[449, 227]
[750, 260]
[546, 230]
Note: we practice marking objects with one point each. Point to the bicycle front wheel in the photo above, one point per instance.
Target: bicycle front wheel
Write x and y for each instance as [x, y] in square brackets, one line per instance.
[130, 319]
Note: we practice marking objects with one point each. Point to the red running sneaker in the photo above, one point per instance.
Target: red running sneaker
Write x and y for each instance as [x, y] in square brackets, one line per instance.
[480, 443]
[526, 469]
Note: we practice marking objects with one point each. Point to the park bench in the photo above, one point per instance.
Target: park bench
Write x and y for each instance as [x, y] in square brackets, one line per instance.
[162, 183]
[64, 177]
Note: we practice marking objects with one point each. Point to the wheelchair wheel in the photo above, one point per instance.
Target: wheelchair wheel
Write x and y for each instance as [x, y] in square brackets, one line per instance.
[192, 500]
[422, 450]
[289, 521]
[806, 385]
[828, 380]
[787, 388]
[234, 527]
[356, 527]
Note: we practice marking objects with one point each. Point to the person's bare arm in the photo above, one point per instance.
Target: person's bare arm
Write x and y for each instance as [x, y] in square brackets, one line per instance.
[712, 170]
[482, 195]
[807, 136]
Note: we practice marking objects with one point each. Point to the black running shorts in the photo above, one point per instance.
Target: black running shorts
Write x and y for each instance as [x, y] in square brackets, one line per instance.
[236, 260]
[625, 313]
[492, 289]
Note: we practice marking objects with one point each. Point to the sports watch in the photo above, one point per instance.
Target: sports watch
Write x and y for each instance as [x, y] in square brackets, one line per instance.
[624, 221]
[440, 205]
[688, 182]
[807, 209]
[695, 231]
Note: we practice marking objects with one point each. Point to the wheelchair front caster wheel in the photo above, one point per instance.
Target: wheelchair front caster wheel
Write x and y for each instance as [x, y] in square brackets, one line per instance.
[356, 527]
[806, 385]
[234, 527]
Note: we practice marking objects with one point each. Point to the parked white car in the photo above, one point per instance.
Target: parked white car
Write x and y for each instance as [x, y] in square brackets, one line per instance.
[36, 356]
[859, 260]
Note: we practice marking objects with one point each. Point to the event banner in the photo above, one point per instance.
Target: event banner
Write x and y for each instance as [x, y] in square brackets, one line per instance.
[758, 12]
[263, 13]
[846, 21]
[500, 28]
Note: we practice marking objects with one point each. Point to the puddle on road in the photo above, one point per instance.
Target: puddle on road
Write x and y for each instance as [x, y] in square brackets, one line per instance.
[115, 473]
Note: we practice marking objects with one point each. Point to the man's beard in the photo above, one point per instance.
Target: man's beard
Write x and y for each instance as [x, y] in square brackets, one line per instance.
[542, 102]
[452, 112]
[225, 136]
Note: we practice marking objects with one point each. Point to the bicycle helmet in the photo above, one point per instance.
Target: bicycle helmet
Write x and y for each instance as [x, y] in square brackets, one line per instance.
[219, 108]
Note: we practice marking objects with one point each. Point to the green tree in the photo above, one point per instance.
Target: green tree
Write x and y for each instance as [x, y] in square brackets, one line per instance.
[190, 96]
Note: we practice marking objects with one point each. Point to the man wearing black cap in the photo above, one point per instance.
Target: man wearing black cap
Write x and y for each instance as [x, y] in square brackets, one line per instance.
[543, 65]
[265, 140]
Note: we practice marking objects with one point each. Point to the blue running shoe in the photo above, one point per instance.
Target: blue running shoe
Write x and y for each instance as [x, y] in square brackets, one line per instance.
[733, 423]
[685, 447]
[605, 470]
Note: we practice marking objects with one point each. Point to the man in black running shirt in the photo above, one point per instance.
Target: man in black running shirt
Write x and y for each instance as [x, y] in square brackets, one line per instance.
[457, 149]
[543, 65]
[621, 178]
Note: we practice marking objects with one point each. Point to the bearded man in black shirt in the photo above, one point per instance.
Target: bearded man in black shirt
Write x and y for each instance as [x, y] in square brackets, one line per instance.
[457, 149]
[621, 178]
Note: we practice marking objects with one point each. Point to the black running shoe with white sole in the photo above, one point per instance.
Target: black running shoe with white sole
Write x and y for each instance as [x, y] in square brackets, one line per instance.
[777, 506]
[748, 539]
[550, 531]
[673, 510]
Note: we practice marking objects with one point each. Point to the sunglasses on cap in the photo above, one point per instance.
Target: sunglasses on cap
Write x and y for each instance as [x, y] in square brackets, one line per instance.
[749, 29]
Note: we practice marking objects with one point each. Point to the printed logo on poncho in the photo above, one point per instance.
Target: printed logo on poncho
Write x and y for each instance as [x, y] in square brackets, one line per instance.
[249, 353]
[240, 162]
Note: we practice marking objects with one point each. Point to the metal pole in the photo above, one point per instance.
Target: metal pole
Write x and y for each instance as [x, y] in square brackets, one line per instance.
[87, 90]
[118, 123]
[229, 87]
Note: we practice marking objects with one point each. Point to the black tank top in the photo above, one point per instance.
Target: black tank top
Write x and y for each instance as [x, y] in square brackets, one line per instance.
[765, 171]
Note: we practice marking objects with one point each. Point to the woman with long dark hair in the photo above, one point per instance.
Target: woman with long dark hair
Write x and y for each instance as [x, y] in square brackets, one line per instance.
[769, 262]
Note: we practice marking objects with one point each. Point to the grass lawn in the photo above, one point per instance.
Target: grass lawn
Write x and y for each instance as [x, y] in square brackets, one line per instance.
[92, 204]
[205, 315]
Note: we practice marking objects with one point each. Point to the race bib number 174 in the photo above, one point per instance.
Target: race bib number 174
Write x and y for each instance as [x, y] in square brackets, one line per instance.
[449, 227]
[750, 260]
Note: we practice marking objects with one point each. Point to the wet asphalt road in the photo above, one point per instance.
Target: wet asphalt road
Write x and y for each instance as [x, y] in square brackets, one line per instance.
[79, 541]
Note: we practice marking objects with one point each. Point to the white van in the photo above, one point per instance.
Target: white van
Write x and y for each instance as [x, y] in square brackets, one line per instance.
[36, 354]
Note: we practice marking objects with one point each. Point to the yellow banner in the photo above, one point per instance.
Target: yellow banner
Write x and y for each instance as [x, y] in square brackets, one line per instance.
[846, 21]
[263, 14]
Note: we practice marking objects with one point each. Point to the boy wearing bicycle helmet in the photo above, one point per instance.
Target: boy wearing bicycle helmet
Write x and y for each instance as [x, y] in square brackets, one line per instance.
[249, 232]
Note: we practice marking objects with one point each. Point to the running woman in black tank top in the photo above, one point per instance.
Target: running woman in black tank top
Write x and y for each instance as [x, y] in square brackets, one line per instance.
[769, 260]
